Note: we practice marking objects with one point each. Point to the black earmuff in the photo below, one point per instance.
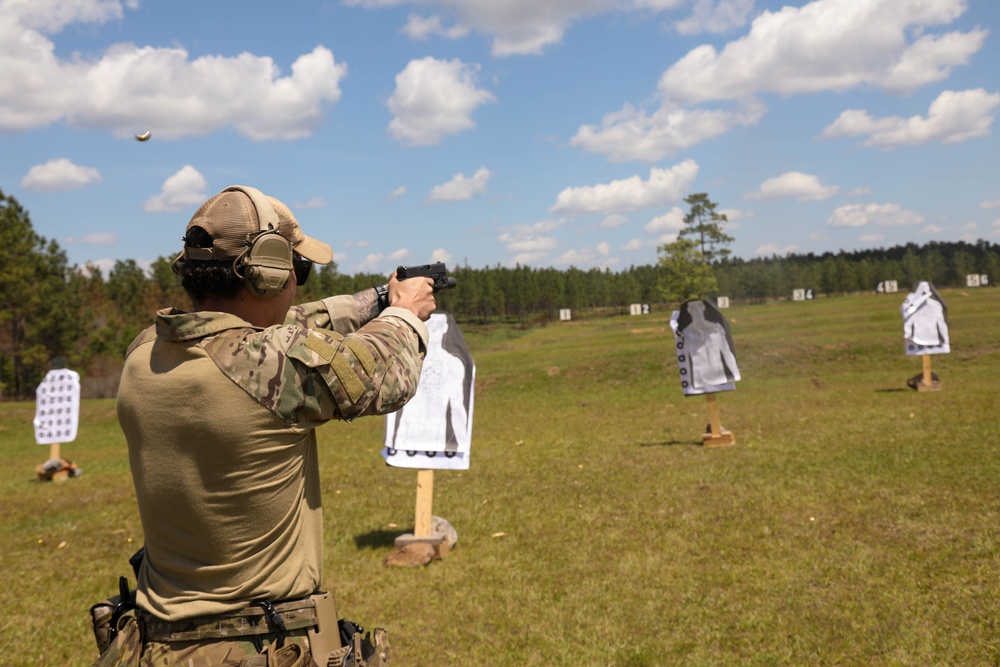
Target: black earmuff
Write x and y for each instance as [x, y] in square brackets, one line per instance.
[265, 265]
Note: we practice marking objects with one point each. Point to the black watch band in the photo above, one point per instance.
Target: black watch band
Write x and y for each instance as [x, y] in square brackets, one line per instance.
[383, 296]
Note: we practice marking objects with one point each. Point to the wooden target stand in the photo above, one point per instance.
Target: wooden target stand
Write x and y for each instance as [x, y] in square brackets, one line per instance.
[927, 382]
[715, 435]
[68, 469]
[422, 518]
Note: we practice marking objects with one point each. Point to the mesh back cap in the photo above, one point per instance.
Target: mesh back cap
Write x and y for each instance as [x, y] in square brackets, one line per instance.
[230, 215]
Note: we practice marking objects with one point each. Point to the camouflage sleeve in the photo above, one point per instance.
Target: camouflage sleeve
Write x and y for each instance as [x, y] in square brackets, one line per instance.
[306, 376]
[344, 314]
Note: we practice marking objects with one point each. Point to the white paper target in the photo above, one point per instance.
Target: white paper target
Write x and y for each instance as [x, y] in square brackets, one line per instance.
[434, 430]
[57, 407]
[704, 346]
[925, 321]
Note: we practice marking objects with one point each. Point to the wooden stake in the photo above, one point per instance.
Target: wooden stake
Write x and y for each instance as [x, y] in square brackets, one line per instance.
[425, 500]
[716, 436]
[54, 451]
[927, 383]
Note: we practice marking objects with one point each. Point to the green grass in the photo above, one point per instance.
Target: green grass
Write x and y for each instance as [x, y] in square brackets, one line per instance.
[855, 522]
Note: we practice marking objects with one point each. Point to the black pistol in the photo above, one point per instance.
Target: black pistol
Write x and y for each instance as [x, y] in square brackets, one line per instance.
[437, 271]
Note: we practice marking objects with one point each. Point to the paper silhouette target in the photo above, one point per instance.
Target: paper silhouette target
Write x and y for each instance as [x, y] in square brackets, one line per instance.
[57, 407]
[434, 430]
[925, 321]
[705, 352]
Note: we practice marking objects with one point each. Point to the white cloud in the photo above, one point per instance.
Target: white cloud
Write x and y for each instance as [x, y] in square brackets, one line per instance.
[94, 238]
[769, 249]
[883, 215]
[672, 221]
[461, 188]
[932, 229]
[794, 184]
[633, 244]
[969, 227]
[434, 99]
[664, 185]
[530, 243]
[398, 192]
[129, 88]
[715, 16]
[379, 262]
[585, 257]
[828, 45]
[422, 28]
[185, 189]
[860, 192]
[312, 202]
[733, 216]
[517, 27]
[59, 175]
[952, 117]
[990, 203]
[441, 255]
[871, 238]
[613, 220]
[629, 134]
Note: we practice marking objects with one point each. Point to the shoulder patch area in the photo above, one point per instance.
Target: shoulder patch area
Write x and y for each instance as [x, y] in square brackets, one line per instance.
[148, 335]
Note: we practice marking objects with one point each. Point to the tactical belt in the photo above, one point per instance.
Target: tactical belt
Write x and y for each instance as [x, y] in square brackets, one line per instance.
[250, 621]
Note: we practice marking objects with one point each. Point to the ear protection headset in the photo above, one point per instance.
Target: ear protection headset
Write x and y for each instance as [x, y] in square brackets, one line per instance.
[265, 265]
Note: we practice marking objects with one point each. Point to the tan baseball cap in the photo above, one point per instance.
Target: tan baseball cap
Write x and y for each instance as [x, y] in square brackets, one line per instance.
[237, 211]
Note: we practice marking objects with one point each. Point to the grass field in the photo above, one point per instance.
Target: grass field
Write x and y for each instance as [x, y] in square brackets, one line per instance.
[855, 522]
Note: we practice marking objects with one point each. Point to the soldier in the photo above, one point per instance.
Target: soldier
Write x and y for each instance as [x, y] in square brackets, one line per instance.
[219, 408]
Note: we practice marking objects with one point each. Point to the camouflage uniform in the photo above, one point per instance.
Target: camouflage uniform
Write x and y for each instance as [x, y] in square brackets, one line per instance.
[219, 417]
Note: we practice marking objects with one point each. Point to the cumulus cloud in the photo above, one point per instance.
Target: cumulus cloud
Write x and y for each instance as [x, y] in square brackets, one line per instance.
[461, 188]
[932, 229]
[59, 175]
[631, 134]
[530, 243]
[613, 220]
[633, 244]
[516, 27]
[772, 249]
[663, 186]
[441, 255]
[665, 228]
[953, 117]
[990, 203]
[794, 184]
[129, 87]
[715, 16]
[672, 221]
[183, 190]
[829, 45]
[94, 238]
[398, 192]
[882, 215]
[434, 99]
[422, 28]
[379, 262]
[586, 257]
[312, 202]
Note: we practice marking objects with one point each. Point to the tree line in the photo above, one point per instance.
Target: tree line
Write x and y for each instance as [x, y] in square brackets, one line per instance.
[53, 313]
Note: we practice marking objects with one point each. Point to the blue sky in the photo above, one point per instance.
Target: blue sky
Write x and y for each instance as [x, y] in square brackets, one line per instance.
[539, 132]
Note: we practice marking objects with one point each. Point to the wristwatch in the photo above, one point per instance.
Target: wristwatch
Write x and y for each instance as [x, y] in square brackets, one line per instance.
[383, 296]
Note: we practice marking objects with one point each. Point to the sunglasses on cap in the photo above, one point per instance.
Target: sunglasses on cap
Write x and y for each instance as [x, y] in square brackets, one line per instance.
[303, 267]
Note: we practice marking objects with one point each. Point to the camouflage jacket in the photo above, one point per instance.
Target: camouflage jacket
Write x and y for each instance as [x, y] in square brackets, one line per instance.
[303, 370]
